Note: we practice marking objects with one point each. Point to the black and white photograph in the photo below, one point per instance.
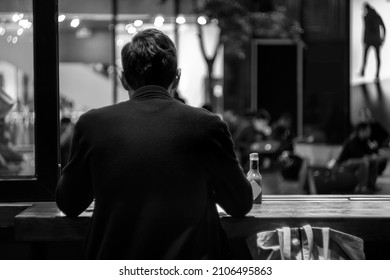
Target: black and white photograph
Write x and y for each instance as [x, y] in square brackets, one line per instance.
[194, 138]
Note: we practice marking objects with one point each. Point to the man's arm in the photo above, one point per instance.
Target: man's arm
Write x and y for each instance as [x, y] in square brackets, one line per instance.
[74, 190]
[231, 188]
[383, 31]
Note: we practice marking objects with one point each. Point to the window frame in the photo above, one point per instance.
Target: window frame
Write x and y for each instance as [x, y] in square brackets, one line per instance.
[41, 187]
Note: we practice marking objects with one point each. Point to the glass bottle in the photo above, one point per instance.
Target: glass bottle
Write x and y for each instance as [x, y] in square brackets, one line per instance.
[255, 178]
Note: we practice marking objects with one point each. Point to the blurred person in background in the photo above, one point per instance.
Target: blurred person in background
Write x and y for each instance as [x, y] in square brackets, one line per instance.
[10, 159]
[252, 134]
[289, 162]
[66, 129]
[282, 132]
[373, 36]
[233, 120]
[359, 156]
[379, 136]
[66, 134]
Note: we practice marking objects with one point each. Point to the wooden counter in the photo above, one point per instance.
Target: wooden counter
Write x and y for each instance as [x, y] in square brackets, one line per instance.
[365, 216]
[44, 222]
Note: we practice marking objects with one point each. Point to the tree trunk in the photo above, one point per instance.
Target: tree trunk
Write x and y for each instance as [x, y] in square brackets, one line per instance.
[210, 63]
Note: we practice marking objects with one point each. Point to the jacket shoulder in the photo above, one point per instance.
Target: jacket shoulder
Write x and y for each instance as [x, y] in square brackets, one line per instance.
[202, 115]
[93, 114]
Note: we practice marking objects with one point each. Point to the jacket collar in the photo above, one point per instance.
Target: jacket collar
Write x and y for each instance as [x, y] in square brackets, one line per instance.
[149, 92]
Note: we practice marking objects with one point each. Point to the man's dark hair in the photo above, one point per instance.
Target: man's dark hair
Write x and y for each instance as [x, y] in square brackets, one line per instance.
[368, 6]
[149, 59]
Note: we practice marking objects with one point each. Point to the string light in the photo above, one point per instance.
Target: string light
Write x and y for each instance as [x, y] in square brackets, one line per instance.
[180, 20]
[131, 29]
[138, 23]
[120, 43]
[202, 20]
[218, 91]
[75, 22]
[15, 17]
[61, 18]
[9, 38]
[159, 21]
[23, 23]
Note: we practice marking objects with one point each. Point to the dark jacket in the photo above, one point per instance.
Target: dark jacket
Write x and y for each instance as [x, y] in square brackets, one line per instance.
[372, 24]
[355, 148]
[156, 168]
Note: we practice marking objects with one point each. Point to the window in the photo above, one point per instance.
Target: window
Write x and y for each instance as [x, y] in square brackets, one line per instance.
[32, 95]
[29, 100]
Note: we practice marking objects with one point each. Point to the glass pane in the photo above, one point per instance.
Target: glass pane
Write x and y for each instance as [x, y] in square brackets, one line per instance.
[85, 71]
[17, 145]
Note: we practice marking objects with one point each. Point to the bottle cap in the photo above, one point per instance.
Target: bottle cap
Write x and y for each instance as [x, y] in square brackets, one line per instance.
[254, 156]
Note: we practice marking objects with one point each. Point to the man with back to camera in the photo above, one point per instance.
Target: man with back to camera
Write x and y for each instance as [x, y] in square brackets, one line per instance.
[155, 167]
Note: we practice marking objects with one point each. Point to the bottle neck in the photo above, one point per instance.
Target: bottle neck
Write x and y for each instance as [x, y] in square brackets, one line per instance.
[254, 165]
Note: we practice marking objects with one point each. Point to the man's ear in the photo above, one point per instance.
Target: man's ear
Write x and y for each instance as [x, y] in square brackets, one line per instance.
[124, 82]
[176, 80]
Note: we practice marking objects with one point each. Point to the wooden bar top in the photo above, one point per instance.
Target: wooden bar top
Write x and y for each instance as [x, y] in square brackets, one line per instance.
[44, 222]
[358, 215]
[338, 209]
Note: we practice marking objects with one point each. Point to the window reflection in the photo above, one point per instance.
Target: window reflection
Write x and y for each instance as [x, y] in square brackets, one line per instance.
[87, 81]
[17, 157]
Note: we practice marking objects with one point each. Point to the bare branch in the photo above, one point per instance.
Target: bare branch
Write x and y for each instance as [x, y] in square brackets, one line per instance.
[217, 46]
[201, 43]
